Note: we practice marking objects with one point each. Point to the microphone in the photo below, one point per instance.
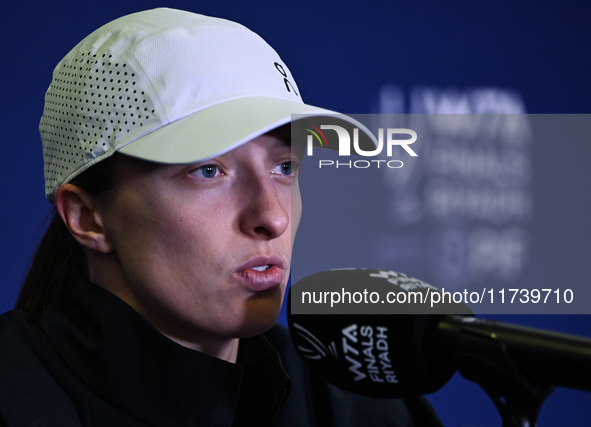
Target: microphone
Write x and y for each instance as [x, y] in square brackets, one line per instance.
[353, 329]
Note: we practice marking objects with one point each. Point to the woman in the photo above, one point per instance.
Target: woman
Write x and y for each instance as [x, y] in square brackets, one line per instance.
[153, 295]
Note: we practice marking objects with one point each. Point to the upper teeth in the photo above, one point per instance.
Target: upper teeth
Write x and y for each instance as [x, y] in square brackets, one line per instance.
[261, 268]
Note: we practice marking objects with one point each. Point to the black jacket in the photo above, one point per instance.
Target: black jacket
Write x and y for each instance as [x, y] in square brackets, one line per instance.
[91, 360]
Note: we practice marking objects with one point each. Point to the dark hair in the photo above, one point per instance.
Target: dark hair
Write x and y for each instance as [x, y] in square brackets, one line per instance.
[60, 260]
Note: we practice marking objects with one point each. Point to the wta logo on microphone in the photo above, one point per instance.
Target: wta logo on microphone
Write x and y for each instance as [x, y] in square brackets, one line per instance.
[368, 353]
[364, 350]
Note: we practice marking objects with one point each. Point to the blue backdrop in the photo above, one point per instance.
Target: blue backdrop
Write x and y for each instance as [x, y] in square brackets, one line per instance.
[345, 56]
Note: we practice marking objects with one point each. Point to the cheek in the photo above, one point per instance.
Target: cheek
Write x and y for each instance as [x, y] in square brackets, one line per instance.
[173, 239]
[145, 232]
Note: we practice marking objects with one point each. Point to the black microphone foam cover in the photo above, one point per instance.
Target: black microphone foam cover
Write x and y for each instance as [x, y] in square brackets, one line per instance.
[376, 355]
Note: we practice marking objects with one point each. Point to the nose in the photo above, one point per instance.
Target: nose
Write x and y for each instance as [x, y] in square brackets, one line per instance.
[266, 212]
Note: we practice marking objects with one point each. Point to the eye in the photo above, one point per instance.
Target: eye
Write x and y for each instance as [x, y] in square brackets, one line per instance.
[284, 168]
[206, 171]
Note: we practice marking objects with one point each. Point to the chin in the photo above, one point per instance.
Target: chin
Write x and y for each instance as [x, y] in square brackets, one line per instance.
[260, 316]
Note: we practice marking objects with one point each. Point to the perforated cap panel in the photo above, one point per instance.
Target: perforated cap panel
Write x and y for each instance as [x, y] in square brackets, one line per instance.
[93, 103]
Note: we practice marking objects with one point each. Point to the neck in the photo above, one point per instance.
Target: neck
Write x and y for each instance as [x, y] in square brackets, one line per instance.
[226, 350]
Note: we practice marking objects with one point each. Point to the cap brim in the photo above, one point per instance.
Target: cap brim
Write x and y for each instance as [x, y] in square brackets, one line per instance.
[221, 128]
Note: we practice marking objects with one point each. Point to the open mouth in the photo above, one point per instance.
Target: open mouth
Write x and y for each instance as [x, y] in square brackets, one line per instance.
[262, 264]
[262, 273]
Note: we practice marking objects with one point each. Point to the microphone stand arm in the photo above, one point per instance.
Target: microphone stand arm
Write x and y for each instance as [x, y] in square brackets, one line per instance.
[482, 357]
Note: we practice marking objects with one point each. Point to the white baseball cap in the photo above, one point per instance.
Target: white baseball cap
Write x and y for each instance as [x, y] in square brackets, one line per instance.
[167, 86]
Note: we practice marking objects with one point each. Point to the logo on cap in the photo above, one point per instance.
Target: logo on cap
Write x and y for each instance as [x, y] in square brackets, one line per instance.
[288, 84]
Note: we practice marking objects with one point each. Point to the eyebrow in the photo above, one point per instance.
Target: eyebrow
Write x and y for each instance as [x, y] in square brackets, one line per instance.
[281, 134]
[280, 143]
[283, 141]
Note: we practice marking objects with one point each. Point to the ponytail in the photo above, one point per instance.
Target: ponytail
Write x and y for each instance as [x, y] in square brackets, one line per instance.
[60, 260]
[57, 264]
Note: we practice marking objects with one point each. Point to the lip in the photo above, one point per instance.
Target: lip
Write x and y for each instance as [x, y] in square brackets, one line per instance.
[258, 281]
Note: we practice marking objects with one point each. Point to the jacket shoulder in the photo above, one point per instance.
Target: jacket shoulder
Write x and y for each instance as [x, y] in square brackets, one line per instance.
[28, 393]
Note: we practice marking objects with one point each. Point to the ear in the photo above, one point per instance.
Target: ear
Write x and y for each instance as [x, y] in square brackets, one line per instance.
[79, 212]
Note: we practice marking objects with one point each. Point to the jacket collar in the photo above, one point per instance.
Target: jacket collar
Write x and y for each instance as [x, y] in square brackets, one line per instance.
[125, 361]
